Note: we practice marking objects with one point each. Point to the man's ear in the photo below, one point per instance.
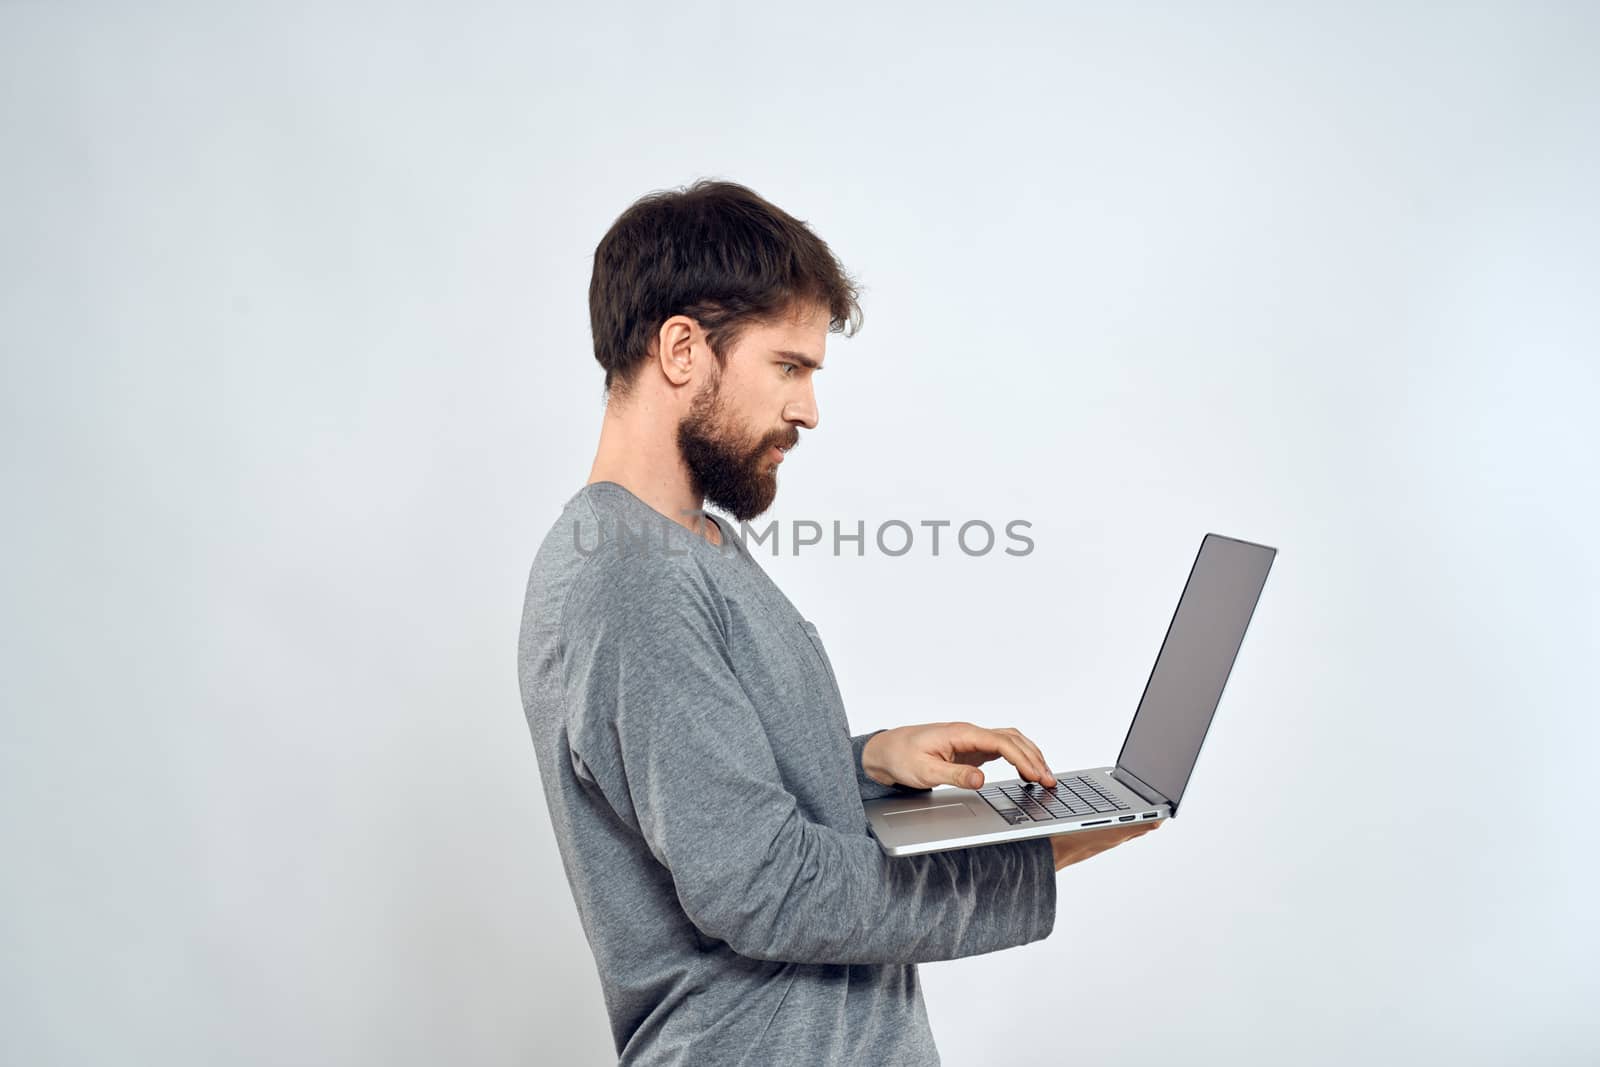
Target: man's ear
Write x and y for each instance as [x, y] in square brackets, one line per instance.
[675, 343]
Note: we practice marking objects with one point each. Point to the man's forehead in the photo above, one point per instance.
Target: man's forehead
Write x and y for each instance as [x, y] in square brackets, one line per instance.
[802, 335]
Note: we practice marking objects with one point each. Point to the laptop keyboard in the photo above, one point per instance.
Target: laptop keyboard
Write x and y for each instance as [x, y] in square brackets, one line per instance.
[1022, 802]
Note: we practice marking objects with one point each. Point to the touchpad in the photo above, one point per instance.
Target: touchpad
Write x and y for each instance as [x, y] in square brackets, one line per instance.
[937, 813]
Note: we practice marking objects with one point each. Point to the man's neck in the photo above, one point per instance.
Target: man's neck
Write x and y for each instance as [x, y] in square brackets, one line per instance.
[652, 470]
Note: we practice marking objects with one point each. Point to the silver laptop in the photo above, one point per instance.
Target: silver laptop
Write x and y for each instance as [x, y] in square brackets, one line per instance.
[1158, 755]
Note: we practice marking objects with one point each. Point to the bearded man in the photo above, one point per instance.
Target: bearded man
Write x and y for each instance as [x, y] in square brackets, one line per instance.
[702, 781]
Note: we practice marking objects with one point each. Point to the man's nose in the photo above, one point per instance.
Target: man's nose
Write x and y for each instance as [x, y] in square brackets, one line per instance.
[802, 411]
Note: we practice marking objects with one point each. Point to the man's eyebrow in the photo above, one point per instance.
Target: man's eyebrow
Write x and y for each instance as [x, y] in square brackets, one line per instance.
[800, 358]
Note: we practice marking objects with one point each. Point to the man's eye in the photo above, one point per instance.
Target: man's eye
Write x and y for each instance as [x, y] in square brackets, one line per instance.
[787, 367]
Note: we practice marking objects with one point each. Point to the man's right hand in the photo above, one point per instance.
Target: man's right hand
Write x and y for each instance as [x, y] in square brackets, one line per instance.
[1074, 848]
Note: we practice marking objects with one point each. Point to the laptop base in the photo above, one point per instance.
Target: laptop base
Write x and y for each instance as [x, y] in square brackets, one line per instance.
[948, 817]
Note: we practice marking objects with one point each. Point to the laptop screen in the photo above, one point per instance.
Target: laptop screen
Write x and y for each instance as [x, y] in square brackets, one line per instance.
[1192, 667]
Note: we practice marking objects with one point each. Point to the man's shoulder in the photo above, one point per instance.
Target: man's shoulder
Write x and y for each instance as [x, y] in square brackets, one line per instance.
[593, 525]
[602, 561]
[630, 579]
[625, 570]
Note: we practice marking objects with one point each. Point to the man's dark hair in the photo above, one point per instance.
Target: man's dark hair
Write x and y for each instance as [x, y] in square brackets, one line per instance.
[716, 252]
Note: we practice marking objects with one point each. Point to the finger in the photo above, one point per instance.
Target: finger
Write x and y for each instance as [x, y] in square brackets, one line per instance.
[1113, 835]
[957, 774]
[1048, 778]
[977, 737]
[1041, 769]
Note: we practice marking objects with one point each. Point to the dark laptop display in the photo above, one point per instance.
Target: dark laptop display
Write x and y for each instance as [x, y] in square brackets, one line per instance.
[1192, 667]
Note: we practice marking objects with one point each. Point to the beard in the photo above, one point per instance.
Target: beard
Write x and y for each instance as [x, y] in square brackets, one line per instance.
[728, 471]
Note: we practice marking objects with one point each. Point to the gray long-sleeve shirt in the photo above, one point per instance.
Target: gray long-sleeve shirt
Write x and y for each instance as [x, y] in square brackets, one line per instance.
[705, 793]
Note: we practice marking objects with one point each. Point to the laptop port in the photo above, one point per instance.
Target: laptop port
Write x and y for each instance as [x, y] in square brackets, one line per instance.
[1097, 822]
[1148, 815]
[1127, 818]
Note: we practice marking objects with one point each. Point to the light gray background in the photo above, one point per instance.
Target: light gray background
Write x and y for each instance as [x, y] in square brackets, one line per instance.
[297, 374]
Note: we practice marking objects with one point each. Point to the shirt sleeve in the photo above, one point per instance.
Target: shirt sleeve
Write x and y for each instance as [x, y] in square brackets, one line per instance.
[658, 721]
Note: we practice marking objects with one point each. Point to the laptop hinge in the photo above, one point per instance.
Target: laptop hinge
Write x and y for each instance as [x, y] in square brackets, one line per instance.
[1135, 783]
